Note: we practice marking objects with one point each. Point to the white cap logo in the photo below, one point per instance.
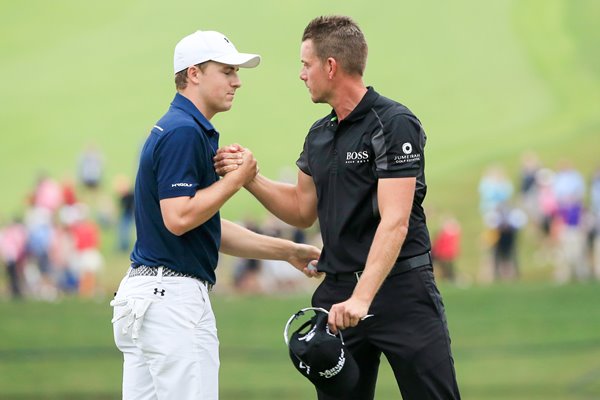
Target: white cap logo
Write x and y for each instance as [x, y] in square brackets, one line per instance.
[407, 148]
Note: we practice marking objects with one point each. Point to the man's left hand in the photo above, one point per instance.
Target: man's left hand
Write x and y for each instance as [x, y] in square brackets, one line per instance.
[304, 258]
[347, 314]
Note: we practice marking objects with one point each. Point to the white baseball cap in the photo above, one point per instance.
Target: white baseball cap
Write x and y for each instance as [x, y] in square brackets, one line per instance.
[203, 46]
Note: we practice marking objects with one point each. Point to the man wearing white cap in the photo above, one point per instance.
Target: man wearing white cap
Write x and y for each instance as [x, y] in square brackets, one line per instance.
[163, 321]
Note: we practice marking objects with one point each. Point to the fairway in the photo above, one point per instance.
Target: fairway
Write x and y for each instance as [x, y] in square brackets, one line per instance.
[522, 342]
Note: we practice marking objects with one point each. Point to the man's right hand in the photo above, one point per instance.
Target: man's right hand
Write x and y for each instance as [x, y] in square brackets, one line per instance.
[245, 171]
[228, 158]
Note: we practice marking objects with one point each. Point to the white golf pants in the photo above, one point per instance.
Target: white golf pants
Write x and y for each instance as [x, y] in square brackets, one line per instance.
[166, 330]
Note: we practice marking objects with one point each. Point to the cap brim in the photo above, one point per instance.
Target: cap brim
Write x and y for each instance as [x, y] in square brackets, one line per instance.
[242, 60]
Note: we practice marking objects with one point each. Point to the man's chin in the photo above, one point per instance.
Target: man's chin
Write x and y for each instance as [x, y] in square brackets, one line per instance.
[317, 100]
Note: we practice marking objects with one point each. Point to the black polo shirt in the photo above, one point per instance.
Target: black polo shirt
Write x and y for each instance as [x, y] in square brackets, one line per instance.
[176, 161]
[379, 139]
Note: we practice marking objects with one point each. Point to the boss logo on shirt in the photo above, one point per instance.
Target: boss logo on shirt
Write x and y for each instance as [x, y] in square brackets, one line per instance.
[357, 157]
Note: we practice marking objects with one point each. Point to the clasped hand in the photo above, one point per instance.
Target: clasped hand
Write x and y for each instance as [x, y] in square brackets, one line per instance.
[237, 160]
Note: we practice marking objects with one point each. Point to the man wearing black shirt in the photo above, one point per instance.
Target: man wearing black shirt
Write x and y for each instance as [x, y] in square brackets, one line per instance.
[361, 172]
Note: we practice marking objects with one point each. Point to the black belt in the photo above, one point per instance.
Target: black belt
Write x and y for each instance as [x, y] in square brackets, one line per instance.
[398, 268]
[146, 270]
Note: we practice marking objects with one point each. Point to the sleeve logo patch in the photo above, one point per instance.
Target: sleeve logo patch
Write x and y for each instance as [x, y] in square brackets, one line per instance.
[408, 156]
[181, 184]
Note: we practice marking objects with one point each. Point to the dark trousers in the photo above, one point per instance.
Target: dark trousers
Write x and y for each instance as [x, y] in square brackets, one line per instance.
[408, 326]
[12, 269]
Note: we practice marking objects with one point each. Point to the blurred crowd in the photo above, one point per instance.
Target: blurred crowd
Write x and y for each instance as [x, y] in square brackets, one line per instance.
[53, 247]
[562, 207]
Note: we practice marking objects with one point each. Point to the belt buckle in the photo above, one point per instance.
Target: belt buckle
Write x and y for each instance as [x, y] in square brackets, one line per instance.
[357, 275]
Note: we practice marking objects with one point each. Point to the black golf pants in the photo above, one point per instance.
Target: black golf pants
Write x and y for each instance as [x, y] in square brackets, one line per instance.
[408, 326]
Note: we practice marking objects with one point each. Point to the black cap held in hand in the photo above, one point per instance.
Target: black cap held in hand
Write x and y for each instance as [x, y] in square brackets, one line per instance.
[321, 356]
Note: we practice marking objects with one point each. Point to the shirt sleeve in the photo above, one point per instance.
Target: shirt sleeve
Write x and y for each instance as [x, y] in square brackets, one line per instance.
[302, 161]
[178, 163]
[399, 148]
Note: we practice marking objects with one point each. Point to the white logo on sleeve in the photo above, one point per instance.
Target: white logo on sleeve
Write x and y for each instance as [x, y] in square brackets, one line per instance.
[181, 184]
[408, 155]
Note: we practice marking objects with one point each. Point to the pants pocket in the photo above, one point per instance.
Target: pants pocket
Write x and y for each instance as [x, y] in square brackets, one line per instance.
[428, 280]
[134, 311]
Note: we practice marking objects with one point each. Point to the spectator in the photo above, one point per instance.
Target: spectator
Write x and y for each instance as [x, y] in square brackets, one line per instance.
[528, 183]
[47, 194]
[495, 189]
[69, 197]
[446, 248]
[595, 212]
[86, 237]
[507, 223]
[246, 276]
[13, 241]
[62, 255]
[546, 201]
[90, 167]
[569, 188]
[40, 230]
[126, 213]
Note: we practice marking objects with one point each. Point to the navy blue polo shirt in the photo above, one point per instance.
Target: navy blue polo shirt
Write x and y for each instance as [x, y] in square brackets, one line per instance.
[379, 139]
[177, 160]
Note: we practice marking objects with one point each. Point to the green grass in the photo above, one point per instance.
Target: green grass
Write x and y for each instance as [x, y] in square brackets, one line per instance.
[518, 342]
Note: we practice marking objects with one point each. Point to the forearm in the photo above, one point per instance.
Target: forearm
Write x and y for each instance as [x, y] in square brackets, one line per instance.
[395, 199]
[241, 242]
[281, 199]
[183, 214]
[384, 252]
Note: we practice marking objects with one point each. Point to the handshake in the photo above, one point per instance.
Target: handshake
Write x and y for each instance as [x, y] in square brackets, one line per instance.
[236, 163]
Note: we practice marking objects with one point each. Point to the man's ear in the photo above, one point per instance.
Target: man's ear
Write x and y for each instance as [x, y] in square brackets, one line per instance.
[331, 67]
[193, 73]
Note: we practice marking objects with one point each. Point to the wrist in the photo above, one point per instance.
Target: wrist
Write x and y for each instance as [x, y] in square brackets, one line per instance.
[363, 293]
[251, 186]
[233, 181]
[290, 249]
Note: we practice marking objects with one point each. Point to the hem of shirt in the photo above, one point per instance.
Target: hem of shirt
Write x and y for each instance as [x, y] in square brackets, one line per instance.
[411, 173]
[306, 171]
[168, 194]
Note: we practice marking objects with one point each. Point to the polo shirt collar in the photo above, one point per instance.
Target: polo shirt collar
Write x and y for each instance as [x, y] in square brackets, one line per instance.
[183, 103]
[362, 108]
